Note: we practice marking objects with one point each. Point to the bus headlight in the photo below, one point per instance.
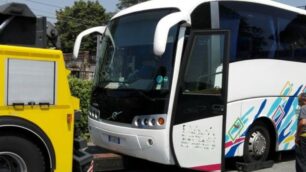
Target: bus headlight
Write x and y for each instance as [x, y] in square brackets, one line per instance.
[94, 113]
[153, 122]
[146, 122]
[150, 121]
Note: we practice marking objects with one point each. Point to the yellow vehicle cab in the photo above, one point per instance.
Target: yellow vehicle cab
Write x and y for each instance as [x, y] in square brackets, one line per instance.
[37, 110]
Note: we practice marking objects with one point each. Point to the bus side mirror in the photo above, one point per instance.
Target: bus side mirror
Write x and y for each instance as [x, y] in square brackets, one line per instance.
[77, 44]
[163, 27]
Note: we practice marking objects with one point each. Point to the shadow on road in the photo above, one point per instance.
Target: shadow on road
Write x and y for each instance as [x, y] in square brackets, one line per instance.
[280, 157]
[131, 164]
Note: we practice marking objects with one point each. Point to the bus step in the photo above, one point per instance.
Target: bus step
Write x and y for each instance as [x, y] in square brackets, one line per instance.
[245, 167]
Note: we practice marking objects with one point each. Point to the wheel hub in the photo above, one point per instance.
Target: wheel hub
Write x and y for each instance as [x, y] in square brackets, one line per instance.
[11, 162]
[257, 144]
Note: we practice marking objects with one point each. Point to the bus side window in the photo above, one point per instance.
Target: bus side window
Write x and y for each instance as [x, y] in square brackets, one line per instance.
[292, 36]
[259, 32]
[252, 30]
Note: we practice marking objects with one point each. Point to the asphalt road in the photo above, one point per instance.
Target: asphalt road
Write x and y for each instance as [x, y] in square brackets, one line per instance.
[284, 162]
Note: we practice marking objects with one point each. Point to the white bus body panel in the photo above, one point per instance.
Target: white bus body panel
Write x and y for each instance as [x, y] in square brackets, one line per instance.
[198, 141]
[232, 114]
[133, 141]
[187, 6]
[263, 78]
[263, 89]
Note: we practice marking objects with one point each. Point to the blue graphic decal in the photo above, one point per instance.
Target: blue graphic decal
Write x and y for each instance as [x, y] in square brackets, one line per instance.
[274, 106]
[282, 135]
[232, 151]
[282, 112]
[263, 104]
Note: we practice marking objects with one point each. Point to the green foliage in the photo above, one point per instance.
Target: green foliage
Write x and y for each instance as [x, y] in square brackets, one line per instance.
[127, 3]
[82, 90]
[73, 20]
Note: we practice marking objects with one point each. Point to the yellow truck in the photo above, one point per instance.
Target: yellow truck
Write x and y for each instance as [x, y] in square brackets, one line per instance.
[37, 110]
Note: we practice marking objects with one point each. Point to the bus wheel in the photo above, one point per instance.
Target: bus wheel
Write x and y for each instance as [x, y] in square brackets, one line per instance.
[257, 144]
[19, 154]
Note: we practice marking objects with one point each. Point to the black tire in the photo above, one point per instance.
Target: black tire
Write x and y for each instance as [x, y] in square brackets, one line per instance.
[257, 143]
[27, 151]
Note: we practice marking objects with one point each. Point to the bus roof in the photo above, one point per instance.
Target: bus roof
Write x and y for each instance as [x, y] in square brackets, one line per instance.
[188, 6]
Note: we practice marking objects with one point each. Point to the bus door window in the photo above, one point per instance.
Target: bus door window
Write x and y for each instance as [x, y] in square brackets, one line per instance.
[204, 68]
[201, 82]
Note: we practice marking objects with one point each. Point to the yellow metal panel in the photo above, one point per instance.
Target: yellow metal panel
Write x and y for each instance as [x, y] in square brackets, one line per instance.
[52, 121]
[2, 78]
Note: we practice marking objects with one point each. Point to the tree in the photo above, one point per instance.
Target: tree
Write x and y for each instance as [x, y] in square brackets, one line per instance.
[73, 20]
[127, 3]
[82, 90]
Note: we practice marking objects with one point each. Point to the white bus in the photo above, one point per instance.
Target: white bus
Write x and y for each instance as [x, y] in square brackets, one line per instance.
[192, 82]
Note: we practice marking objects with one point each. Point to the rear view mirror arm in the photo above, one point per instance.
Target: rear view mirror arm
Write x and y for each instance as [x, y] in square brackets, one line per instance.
[77, 44]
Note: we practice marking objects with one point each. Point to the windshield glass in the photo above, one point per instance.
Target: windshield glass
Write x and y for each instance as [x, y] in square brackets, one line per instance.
[127, 61]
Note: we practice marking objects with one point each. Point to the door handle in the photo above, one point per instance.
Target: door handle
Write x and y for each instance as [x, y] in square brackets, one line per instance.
[18, 106]
[44, 105]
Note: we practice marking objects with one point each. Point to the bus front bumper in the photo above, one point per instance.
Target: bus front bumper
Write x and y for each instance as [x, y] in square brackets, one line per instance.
[152, 145]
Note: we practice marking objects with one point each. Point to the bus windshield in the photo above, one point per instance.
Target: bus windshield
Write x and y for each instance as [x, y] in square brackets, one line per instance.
[130, 79]
[127, 60]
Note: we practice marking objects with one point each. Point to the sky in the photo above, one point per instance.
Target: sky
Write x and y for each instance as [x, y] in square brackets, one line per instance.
[48, 7]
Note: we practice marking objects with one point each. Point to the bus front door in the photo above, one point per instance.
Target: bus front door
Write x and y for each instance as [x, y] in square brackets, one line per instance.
[199, 115]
